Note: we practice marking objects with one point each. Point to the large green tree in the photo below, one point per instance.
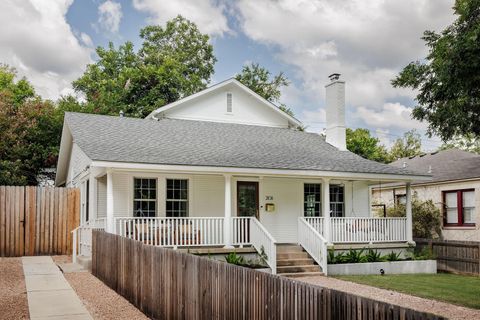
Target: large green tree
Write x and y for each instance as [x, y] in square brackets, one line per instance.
[468, 143]
[30, 130]
[448, 79]
[261, 81]
[407, 146]
[174, 61]
[359, 141]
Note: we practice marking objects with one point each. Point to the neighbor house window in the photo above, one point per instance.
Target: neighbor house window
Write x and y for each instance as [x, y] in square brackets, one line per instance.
[401, 199]
[459, 207]
[177, 198]
[229, 102]
[337, 203]
[144, 197]
[311, 199]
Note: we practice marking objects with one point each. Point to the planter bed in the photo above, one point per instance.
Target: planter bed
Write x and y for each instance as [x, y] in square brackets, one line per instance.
[393, 267]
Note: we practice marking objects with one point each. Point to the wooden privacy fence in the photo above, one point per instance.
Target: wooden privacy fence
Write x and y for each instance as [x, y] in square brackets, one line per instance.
[37, 220]
[167, 284]
[454, 256]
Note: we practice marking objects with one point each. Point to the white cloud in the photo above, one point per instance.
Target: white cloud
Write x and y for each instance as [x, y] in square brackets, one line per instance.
[368, 42]
[109, 15]
[208, 15]
[37, 40]
[391, 115]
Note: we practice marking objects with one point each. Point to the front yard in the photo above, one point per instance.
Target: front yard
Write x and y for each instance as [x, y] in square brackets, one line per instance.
[456, 289]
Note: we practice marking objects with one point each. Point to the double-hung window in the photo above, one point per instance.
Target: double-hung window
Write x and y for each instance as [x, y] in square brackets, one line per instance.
[177, 198]
[337, 203]
[312, 200]
[144, 197]
[459, 207]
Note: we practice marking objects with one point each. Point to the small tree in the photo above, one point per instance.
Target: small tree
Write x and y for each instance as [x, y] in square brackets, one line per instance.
[427, 218]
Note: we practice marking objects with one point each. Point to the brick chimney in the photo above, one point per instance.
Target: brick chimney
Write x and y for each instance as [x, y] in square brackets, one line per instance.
[335, 98]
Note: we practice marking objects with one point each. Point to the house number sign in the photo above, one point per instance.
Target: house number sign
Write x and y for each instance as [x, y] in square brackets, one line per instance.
[268, 198]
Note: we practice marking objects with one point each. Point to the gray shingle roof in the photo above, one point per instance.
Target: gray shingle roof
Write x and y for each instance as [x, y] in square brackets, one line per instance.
[200, 143]
[446, 165]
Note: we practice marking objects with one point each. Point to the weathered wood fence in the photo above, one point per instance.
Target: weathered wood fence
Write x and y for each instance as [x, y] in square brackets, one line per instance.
[37, 220]
[167, 284]
[454, 256]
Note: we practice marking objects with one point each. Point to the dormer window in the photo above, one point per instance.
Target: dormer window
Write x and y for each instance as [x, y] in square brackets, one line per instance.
[229, 102]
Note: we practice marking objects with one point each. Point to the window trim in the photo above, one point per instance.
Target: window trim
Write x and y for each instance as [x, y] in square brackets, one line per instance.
[459, 193]
[135, 199]
[319, 202]
[229, 97]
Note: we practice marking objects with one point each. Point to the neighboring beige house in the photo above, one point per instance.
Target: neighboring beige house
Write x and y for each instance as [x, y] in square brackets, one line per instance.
[226, 168]
[454, 188]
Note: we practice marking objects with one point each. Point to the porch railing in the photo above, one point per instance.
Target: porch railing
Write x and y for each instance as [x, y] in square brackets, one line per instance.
[264, 243]
[362, 229]
[173, 232]
[368, 229]
[313, 242]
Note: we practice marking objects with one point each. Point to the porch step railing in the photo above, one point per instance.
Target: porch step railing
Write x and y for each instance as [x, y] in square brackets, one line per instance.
[313, 242]
[241, 231]
[82, 237]
[264, 243]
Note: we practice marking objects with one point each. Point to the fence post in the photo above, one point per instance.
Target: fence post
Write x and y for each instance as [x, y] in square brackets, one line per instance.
[74, 246]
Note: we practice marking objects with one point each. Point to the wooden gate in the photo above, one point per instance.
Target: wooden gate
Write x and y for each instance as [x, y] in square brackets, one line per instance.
[37, 220]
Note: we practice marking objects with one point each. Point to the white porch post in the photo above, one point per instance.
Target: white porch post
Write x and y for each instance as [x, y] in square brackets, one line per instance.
[408, 209]
[326, 209]
[92, 197]
[110, 220]
[227, 224]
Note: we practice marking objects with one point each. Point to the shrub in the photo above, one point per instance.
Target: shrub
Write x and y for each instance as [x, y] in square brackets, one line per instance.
[373, 256]
[427, 218]
[234, 258]
[392, 256]
[355, 256]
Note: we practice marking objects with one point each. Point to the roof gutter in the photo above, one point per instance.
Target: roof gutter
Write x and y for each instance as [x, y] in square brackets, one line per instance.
[258, 171]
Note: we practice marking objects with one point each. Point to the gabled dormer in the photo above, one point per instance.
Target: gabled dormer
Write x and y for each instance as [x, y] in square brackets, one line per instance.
[229, 102]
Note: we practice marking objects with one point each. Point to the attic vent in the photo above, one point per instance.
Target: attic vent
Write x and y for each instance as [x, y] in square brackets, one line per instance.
[229, 102]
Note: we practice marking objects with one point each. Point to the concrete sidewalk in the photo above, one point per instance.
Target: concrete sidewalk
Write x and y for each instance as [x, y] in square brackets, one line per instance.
[49, 294]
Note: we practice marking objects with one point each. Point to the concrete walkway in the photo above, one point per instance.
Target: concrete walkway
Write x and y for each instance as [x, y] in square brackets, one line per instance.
[49, 294]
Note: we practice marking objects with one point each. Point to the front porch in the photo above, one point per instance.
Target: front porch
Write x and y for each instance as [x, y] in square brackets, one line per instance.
[196, 209]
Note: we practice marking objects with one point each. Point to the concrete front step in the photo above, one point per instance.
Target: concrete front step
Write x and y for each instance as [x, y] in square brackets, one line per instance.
[85, 262]
[297, 269]
[301, 274]
[292, 255]
[294, 262]
[282, 248]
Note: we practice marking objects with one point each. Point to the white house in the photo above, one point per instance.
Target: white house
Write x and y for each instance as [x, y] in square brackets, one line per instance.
[224, 167]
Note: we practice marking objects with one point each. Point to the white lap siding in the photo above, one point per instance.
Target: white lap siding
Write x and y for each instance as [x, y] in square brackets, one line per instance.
[102, 197]
[205, 193]
[288, 199]
[77, 165]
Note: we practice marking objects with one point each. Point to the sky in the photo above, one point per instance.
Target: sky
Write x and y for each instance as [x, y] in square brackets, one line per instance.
[367, 42]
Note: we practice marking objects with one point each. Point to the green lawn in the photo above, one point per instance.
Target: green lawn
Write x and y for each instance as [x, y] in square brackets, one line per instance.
[456, 289]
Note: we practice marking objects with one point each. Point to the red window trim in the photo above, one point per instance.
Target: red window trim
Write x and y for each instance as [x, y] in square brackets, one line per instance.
[459, 208]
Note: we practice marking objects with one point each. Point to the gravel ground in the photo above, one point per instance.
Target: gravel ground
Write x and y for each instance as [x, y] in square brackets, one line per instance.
[13, 294]
[432, 306]
[101, 301]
